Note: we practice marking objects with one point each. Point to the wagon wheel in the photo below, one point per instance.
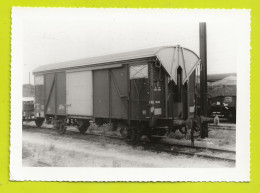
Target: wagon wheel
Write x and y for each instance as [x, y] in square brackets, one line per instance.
[48, 120]
[60, 126]
[133, 136]
[39, 122]
[183, 129]
[160, 135]
[196, 129]
[122, 129]
[82, 125]
[194, 124]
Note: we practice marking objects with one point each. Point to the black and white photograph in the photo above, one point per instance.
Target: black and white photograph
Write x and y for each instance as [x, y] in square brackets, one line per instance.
[130, 94]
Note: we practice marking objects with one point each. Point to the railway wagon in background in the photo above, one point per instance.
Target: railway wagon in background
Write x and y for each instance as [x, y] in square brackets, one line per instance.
[222, 98]
[28, 108]
[145, 92]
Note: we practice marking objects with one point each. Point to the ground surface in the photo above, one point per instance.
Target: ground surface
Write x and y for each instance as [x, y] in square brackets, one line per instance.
[47, 149]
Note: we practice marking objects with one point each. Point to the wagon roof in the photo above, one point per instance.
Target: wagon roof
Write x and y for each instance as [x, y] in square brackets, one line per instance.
[170, 57]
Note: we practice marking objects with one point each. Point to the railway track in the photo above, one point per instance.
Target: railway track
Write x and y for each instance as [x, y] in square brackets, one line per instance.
[73, 134]
[174, 149]
[222, 127]
[209, 153]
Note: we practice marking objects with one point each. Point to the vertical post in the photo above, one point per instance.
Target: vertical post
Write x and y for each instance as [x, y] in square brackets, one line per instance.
[166, 94]
[151, 88]
[56, 93]
[109, 94]
[203, 77]
[127, 66]
[188, 98]
[29, 78]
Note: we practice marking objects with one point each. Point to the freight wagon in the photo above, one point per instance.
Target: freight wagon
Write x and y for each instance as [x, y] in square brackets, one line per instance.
[224, 107]
[222, 98]
[145, 92]
[28, 108]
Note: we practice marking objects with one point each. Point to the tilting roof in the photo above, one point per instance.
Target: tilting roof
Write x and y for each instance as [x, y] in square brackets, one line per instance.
[170, 57]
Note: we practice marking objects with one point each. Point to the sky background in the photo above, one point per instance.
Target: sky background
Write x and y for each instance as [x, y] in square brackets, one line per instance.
[50, 37]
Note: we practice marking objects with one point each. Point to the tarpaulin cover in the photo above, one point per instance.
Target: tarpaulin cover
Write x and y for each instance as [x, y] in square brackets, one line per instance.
[224, 87]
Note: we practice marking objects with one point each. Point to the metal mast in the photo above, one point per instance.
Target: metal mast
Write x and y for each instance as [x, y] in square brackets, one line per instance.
[203, 77]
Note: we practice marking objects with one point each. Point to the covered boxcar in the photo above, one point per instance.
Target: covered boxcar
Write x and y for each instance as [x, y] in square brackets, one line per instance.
[150, 91]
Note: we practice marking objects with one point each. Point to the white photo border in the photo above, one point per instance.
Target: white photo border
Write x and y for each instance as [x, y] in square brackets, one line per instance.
[240, 173]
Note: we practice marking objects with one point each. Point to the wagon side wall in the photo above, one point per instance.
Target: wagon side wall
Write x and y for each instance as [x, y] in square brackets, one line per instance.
[100, 92]
[60, 93]
[39, 96]
[79, 93]
[110, 91]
